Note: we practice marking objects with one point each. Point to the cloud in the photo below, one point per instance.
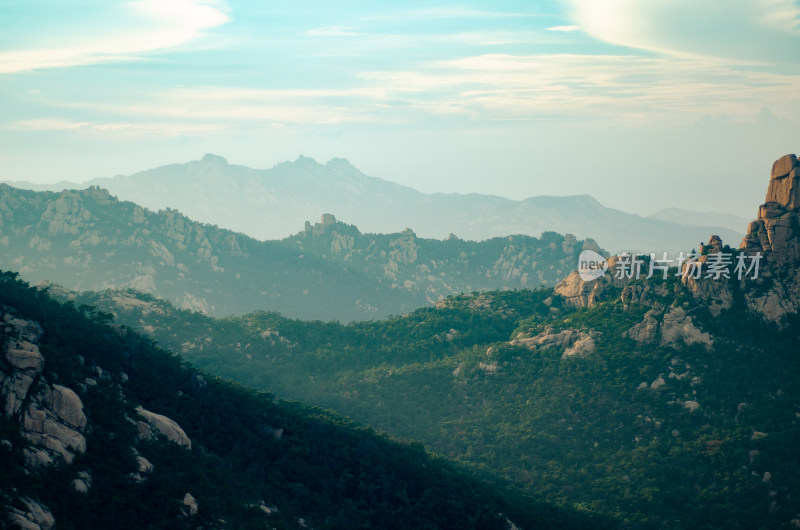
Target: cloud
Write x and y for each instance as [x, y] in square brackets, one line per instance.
[607, 89]
[137, 28]
[739, 31]
[596, 90]
[566, 29]
[447, 12]
[150, 129]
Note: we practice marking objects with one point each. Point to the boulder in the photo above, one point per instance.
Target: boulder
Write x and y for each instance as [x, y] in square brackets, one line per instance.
[190, 504]
[574, 342]
[83, 483]
[165, 426]
[27, 330]
[677, 327]
[66, 405]
[34, 516]
[45, 429]
[646, 331]
[674, 327]
[23, 355]
[144, 465]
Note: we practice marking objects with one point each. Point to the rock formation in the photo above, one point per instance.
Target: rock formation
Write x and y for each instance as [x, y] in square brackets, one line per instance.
[776, 235]
[51, 416]
[773, 289]
[574, 342]
[163, 425]
[776, 232]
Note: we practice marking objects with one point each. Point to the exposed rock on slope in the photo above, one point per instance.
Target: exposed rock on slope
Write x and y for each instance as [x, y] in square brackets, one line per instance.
[51, 415]
[671, 327]
[574, 342]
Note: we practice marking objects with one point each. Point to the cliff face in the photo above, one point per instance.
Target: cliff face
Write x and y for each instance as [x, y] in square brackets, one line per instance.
[772, 247]
[776, 232]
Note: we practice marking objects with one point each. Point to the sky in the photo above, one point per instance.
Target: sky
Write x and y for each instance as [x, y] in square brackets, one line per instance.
[643, 104]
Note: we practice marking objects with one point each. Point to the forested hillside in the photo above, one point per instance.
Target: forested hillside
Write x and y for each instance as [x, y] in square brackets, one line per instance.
[101, 429]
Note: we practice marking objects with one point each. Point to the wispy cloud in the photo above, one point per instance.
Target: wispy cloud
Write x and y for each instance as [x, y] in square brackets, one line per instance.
[602, 88]
[147, 26]
[565, 29]
[448, 12]
[118, 128]
[740, 31]
[597, 90]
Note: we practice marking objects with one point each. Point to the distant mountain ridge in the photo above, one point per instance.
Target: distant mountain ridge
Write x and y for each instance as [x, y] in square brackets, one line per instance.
[88, 240]
[274, 203]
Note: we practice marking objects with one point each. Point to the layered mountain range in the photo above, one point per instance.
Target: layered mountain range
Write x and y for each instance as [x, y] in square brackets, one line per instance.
[668, 401]
[273, 203]
[88, 240]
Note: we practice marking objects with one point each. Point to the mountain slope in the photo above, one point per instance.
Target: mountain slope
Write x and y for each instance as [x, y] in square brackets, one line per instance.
[88, 240]
[81, 448]
[661, 402]
[273, 203]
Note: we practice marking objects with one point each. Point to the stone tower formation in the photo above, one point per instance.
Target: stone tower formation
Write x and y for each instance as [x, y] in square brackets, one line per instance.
[776, 232]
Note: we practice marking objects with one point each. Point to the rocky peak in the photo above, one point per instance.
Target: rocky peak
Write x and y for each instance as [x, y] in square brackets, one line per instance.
[214, 159]
[776, 232]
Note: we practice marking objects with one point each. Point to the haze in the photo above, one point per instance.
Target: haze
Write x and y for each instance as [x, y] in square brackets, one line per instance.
[641, 105]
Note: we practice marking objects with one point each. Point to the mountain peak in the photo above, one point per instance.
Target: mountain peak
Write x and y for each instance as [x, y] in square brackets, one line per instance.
[210, 158]
[775, 232]
[306, 161]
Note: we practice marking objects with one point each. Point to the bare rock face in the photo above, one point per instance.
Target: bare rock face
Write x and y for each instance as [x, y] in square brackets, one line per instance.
[777, 229]
[51, 416]
[165, 426]
[23, 361]
[776, 234]
[784, 187]
[54, 420]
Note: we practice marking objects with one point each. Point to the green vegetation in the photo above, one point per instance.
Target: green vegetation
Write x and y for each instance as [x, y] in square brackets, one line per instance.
[323, 468]
[655, 435]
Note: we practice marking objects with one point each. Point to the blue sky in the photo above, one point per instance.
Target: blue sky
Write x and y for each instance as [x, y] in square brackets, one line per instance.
[642, 104]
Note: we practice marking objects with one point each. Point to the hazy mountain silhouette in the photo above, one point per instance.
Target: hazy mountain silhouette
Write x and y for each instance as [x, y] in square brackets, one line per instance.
[274, 203]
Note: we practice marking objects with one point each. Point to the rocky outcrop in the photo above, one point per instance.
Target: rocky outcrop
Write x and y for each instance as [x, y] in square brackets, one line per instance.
[54, 420]
[51, 416]
[32, 516]
[574, 342]
[669, 327]
[776, 234]
[162, 425]
[190, 505]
